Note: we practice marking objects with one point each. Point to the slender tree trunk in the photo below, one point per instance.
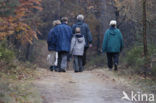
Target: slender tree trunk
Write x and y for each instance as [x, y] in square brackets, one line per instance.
[27, 52]
[145, 29]
[98, 39]
[145, 38]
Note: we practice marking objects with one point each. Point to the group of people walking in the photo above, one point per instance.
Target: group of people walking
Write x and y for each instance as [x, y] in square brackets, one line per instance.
[65, 41]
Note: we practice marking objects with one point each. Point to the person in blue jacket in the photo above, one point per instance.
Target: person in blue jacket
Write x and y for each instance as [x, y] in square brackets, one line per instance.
[52, 57]
[62, 39]
[85, 31]
[113, 45]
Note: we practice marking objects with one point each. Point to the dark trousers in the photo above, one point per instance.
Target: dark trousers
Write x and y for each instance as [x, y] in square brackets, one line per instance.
[112, 58]
[78, 63]
[62, 60]
[84, 56]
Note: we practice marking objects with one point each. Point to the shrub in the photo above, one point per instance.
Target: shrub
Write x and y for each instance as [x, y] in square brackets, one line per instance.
[6, 54]
[135, 57]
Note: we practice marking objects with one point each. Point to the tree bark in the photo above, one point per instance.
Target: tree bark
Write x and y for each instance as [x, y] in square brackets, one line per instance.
[145, 29]
[146, 63]
[27, 52]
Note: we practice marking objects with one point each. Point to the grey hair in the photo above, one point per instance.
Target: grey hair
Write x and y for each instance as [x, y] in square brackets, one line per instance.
[80, 17]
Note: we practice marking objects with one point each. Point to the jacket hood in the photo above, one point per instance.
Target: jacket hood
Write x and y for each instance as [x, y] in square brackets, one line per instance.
[79, 37]
[113, 31]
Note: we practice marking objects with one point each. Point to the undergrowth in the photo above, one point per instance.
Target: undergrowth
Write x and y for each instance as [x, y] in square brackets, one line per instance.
[16, 84]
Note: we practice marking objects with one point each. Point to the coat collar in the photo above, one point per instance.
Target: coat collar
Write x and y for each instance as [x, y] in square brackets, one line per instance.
[64, 23]
[80, 22]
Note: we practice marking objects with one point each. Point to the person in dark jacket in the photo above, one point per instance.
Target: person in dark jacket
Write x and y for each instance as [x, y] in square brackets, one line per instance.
[52, 57]
[113, 45]
[77, 50]
[63, 35]
[84, 31]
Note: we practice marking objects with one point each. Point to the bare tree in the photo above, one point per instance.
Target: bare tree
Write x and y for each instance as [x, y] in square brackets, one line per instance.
[144, 21]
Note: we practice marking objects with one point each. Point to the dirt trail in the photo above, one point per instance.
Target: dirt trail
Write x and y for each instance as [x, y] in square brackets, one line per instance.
[86, 87]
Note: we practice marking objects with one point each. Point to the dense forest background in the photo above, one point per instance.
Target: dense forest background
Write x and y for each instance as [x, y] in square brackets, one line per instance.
[24, 25]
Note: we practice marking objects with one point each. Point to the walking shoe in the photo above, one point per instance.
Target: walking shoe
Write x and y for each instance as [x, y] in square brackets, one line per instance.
[51, 68]
[81, 69]
[76, 71]
[59, 70]
[62, 70]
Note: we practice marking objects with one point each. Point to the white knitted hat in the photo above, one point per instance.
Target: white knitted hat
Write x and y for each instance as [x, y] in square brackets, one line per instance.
[80, 17]
[113, 22]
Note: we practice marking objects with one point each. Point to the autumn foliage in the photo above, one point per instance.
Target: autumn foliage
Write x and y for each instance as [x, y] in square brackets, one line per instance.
[14, 19]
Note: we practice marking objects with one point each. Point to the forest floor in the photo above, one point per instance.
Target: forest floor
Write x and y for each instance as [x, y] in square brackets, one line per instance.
[96, 86]
[27, 85]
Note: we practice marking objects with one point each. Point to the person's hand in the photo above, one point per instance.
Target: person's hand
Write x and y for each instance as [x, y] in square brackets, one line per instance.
[90, 45]
[101, 51]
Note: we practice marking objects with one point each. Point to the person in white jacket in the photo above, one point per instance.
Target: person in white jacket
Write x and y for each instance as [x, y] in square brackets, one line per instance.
[77, 49]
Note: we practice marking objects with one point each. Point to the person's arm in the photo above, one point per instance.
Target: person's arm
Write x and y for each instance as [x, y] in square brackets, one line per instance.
[71, 33]
[73, 29]
[54, 38]
[89, 35]
[84, 42]
[104, 45]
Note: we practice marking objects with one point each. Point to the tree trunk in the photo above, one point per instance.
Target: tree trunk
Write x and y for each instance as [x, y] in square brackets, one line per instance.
[145, 29]
[27, 52]
[98, 39]
[145, 38]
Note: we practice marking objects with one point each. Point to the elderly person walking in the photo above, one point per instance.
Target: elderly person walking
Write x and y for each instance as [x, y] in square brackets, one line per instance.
[85, 31]
[63, 35]
[53, 56]
[113, 45]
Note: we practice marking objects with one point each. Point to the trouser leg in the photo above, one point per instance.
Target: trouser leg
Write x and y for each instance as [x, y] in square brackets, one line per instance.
[109, 60]
[116, 58]
[80, 58]
[68, 60]
[59, 61]
[56, 59]
[84, 56]
[76, 64]
[64, 61]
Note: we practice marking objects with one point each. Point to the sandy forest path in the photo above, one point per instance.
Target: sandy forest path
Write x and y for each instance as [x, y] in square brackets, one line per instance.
[88, 87]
